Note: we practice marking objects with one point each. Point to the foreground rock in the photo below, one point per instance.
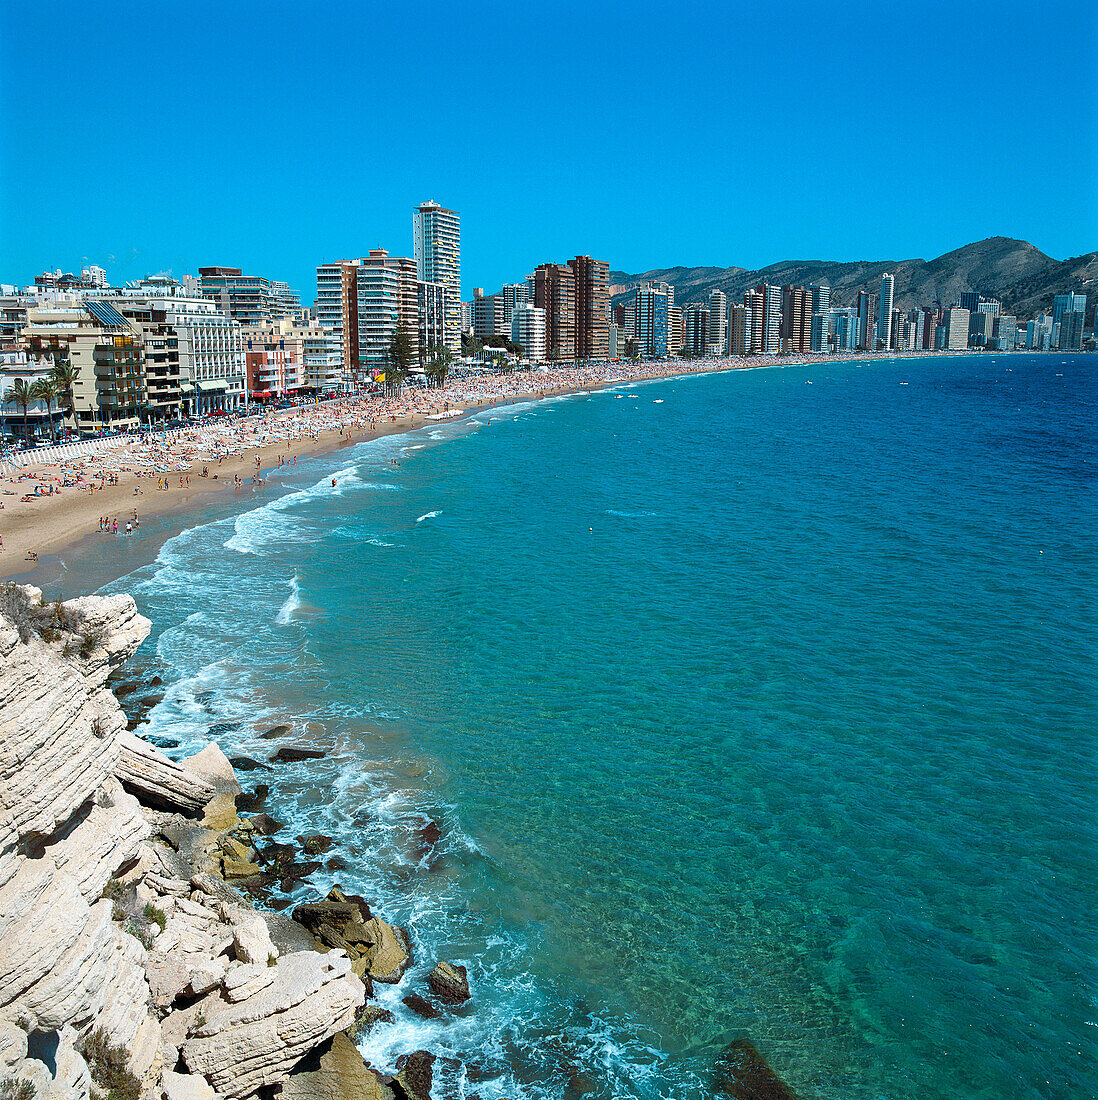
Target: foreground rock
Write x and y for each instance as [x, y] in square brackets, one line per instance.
[344, 922]
[449, 983]
[335, 1071]
[742, 1073]
[244, 1042]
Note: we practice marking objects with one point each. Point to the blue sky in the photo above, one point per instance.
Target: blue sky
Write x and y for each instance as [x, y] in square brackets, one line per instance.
[275, 136]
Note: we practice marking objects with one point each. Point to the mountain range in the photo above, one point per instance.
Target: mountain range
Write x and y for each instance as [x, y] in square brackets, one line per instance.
[1020, 275]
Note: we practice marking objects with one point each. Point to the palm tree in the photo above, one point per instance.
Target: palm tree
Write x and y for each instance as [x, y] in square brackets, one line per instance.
[45, 389]
[439, 357]
[22, 395]
[64, 374]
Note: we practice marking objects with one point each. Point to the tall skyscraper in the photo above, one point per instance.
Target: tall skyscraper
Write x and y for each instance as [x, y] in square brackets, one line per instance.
[652, 319]
[956, 329]
[796, 319]
[718, 322]
[821, 317]
[754, 306]
[592, 290]
[867, 323]
[555, 292]
[1067, 303]
[436, 234]
[737, 329]
[884, 311]
[772, 318]
[696, 337]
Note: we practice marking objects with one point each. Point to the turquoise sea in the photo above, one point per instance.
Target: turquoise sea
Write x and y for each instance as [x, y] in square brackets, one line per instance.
[754, 704]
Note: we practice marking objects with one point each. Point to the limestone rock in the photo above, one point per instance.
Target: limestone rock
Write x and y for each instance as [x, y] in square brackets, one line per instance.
[335, 1071]
[185, 1086]
[212, 766]
[243, 1047]
[251, 940]
[289, 754]
[421, 1007]
[157, 780]
[449, 983]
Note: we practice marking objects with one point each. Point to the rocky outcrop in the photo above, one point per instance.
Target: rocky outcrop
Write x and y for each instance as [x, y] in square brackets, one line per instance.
[450, 983]
[265, 1019]
[743, 1074]
[120, 933]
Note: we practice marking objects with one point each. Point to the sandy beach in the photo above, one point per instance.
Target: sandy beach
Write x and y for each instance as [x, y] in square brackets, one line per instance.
[47, 508]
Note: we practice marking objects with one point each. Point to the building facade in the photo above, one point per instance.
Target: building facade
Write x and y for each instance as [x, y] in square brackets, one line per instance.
[436, 235]
[555, 293]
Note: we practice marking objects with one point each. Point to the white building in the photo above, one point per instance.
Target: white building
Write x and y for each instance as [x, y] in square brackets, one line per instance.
[718, 322]
[528, 329]
[884, 310]
[329, 296]
[436, 234]
[956, 329]
[324, 361]
[94, 276]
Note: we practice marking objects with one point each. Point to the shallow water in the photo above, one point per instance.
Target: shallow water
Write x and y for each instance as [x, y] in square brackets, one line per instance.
[746, 707]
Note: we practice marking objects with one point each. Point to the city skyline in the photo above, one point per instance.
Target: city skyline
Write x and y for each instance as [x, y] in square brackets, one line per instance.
[613, 172]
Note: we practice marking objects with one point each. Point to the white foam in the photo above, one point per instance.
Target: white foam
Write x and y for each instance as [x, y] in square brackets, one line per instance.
[429, 515]
[293, 602]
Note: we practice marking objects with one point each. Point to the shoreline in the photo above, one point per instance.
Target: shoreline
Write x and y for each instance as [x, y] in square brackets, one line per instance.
[50, 526]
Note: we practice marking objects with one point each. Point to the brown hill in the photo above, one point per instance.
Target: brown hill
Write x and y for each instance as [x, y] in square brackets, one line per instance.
[1016, 272]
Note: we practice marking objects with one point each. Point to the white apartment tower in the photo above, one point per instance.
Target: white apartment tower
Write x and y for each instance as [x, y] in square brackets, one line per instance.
[718, 323]
[436, 234]
[884, 310]
[528, 329]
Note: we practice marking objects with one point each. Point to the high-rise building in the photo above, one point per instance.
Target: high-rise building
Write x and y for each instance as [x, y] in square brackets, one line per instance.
[819, 338]
[718, 323]
[845, 322]
[1068, 303]
[432, 317]
[796, 330]
[980, 326]
[555, 292]
[821, 297]
[94, 276]
[754, 304]
[591, 279]
[486, 315]
[436, 234]
[528, 330]
[511, 295]
[1071, 329]
[884, 311]
[248, 299]
[696, 335]
[956, 326]
[329, 296]
[867, 322]
[930, 320]
[771, 335]
[1005, 333]
[970, 299]
[387, 297]
[737, 329]
[652, 305]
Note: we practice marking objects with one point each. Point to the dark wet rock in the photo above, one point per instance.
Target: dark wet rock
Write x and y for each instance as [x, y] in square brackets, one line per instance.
[276, 854]
[290, 874]
[315, 844]
[164, 742]
[249, 803]
[126, 687]
[246, 764]
[265, 825]
[150, 701]
[370, 1016]
[421, 1007]
[334, 1071]
[133, 723]
[415, 1073]
[277, 731]
[427, 839]
[376, 949]
[336, 863]
[219, 728]
[742, 1073]
[449, 983]
[279, 904]
[363, 820]
[290, 754]
[155, 682]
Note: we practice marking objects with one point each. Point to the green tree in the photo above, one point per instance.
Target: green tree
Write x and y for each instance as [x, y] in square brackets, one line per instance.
[45, 389]
[439, 358]
[22, 395]
[470, 345]
[64, 375]
[400, 358]
[630, 349]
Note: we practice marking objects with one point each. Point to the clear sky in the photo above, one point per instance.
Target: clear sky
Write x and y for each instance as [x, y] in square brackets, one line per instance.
[275, 136]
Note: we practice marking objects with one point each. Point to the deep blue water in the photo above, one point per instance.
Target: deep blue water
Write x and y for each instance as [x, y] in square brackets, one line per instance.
[749, 704]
